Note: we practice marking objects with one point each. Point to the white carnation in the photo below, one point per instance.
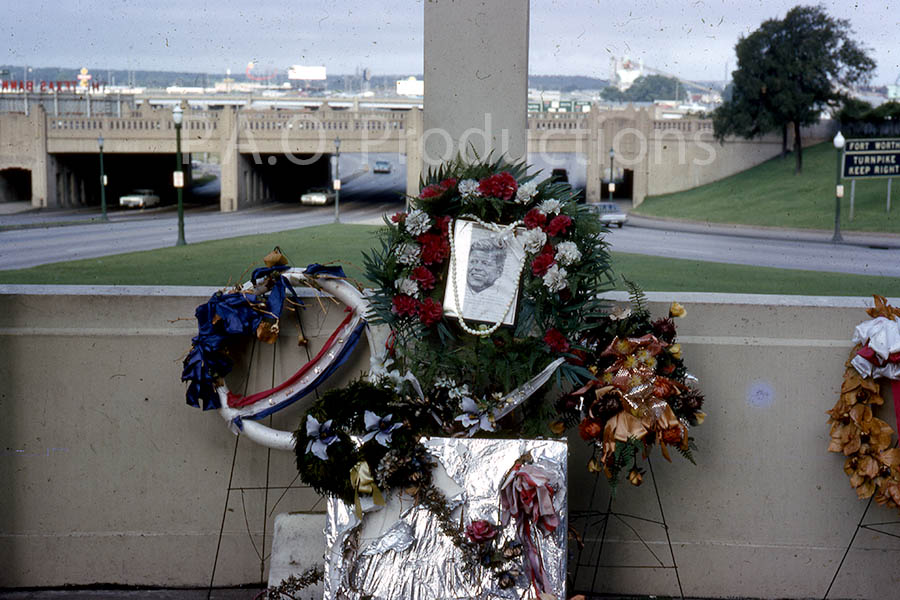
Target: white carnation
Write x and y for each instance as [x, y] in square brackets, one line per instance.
[567, 253]
[408, 254]
[550, 207]
[533, 240]
[555, 279]
[468, 187]
[407, 286]
[417, 222]
[526, 192]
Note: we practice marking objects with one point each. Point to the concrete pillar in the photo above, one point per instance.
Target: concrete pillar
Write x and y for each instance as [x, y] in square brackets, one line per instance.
[43, 175]
[592, 186]
[642, 170]
[229, 159]
[413, 142]
[476, 78]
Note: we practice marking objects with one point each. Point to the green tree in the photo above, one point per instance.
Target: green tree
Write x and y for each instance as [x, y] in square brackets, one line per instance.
[789, 71]
[613, 94]
[648, 88]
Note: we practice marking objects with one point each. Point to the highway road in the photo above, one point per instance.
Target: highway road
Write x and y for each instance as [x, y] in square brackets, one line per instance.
[20, 248]
[764, 251]
[129, 232]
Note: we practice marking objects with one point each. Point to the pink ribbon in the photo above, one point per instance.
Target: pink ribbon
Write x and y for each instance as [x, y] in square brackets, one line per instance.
[527, 495]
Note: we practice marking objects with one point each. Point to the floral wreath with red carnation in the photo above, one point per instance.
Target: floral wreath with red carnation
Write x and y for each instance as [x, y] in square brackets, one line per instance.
[472, 374]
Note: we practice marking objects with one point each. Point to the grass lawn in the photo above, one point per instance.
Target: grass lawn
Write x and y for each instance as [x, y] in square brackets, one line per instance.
[218, 263]
[771, 195]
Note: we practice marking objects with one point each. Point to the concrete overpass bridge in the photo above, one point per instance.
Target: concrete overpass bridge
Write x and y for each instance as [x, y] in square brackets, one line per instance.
[277, 154]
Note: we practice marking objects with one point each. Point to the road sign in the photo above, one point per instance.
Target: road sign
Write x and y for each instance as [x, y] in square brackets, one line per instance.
[870, 158]
[178, 179]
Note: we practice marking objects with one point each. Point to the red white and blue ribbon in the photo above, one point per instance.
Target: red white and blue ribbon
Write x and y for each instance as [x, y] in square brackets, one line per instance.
[333, 354]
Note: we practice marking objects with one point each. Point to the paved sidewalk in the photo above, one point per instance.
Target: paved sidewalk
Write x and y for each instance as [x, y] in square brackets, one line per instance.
[134, 594]
[15, 208]
[219, 594]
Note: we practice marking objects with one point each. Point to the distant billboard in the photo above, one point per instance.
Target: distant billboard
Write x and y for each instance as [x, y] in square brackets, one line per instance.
[306, 73]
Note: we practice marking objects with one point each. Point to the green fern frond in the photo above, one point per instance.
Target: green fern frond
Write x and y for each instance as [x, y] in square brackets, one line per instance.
[638, 299]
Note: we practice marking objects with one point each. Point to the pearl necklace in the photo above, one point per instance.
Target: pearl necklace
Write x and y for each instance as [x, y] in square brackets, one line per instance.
[504, 231]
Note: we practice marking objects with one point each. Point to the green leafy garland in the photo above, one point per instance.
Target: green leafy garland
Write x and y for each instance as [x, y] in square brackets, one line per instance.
[566, 267]
[396, 463]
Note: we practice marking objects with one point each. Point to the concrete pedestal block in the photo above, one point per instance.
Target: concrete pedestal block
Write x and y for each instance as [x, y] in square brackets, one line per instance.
[298, 544]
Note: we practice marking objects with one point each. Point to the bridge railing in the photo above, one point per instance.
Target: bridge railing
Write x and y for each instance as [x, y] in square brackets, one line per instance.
[274, 123]
[558, 121]
[135, 125]
[684, 125]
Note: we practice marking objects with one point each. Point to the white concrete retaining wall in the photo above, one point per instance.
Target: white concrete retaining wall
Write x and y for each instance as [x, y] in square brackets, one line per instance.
[108, 477]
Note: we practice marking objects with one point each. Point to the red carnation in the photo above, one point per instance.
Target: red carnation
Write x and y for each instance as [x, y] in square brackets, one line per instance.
[399, 217]
[534, 219]
[558, 225]
[435, 248]
[556, 340]
[430, 312]
[431, 191]
[442, 224]
[502, 186]
[404, 306]
[423, 276]
[543, 261]
[448, 183]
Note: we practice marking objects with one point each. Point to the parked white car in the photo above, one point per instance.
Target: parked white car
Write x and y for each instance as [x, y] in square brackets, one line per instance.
[317, 197]
[609, 213]
[139, 199]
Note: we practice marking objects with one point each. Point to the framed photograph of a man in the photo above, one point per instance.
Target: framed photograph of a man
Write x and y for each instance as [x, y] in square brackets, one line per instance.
[487, 269]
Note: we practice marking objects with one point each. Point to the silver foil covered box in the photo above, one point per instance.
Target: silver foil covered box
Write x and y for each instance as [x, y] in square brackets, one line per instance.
[399, 551]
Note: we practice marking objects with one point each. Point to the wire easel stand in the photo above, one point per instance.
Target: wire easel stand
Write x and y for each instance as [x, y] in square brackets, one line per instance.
[594, 519]
[869, 526]
[260, 551]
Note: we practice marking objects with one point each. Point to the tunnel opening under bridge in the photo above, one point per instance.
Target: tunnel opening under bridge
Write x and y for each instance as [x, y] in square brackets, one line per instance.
[15, 185]
[280, 177]
[75, 178]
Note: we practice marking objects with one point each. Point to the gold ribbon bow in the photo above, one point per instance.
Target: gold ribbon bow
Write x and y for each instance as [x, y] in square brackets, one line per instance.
[362, 483]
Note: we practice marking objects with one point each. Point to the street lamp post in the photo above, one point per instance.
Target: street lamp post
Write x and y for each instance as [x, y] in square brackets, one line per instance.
[337, 180]
[103, 216]
[178, 176]
[612, 186]
[838, 189]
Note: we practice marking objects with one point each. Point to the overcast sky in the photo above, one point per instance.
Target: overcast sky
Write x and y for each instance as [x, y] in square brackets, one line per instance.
[694, 40]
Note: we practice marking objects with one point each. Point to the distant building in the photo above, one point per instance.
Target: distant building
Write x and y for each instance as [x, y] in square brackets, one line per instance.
[307, 73]
[624, 72]
[410, 87]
